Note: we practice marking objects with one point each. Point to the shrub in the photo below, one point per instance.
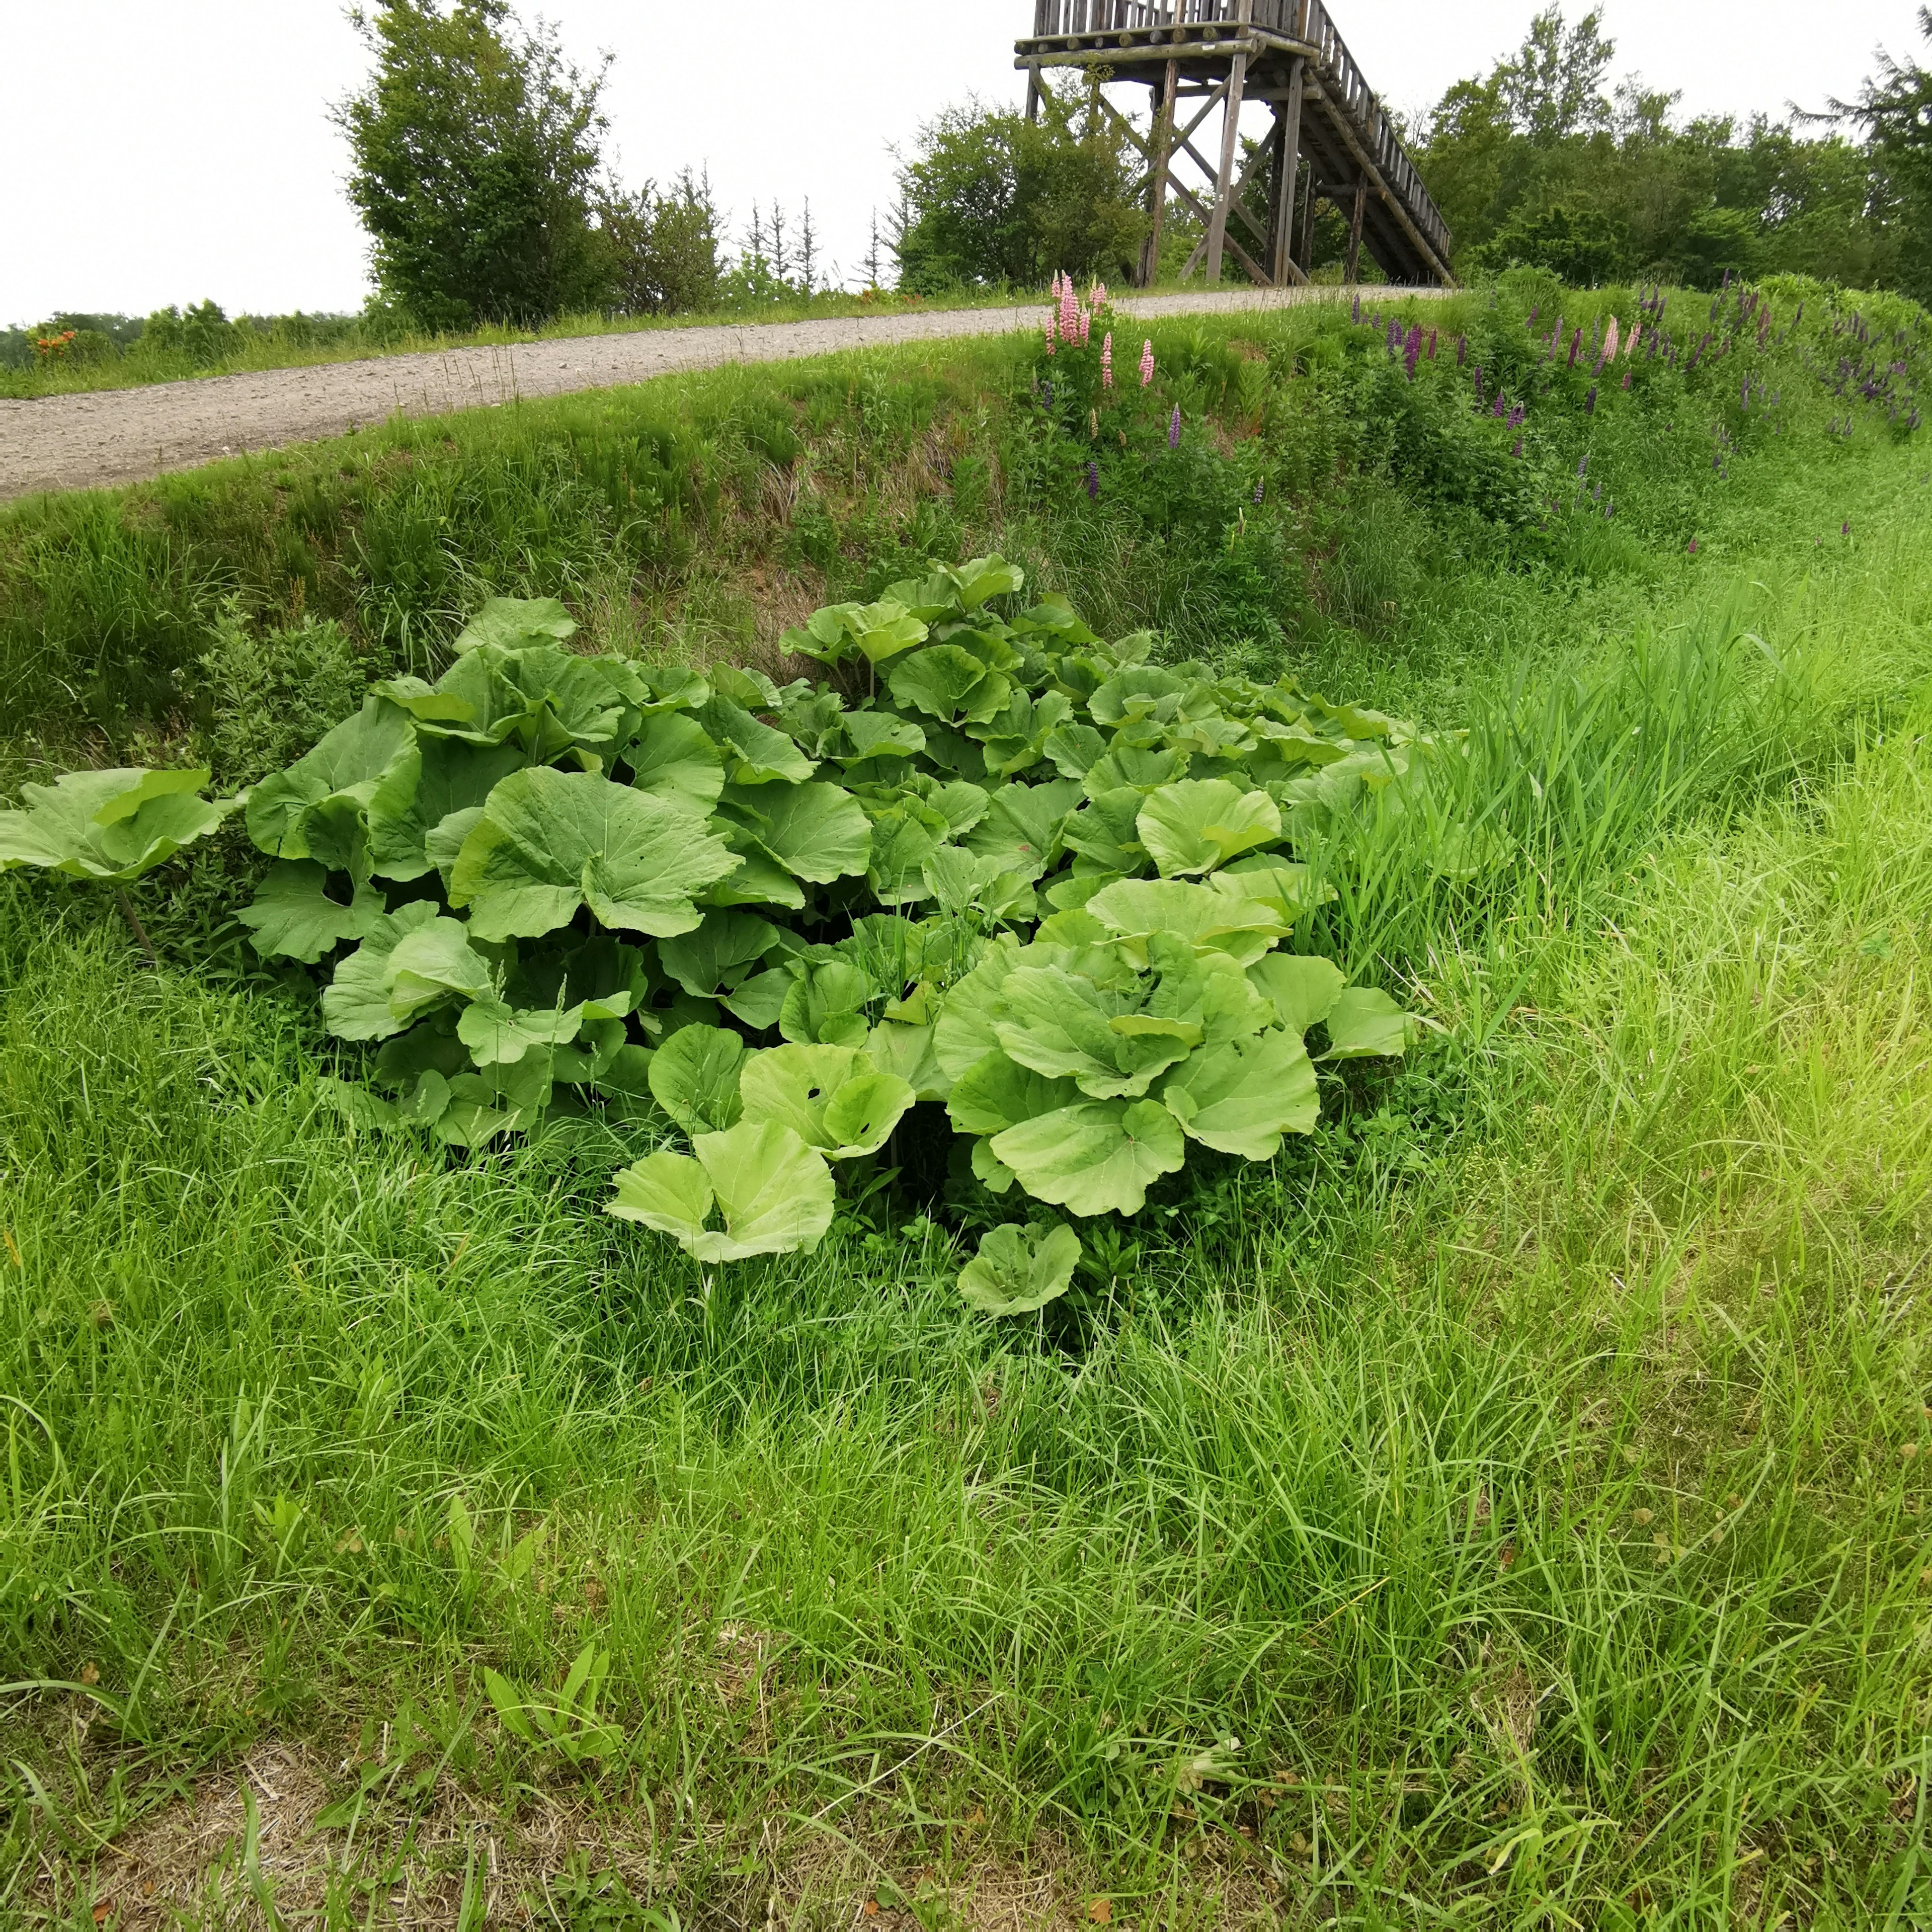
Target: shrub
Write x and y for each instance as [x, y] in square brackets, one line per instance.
[1046, 890]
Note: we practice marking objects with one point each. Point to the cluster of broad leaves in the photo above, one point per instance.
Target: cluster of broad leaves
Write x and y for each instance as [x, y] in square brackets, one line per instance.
[986, 861]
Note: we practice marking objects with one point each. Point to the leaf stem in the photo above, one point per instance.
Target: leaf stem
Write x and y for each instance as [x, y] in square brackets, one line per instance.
[140, 931]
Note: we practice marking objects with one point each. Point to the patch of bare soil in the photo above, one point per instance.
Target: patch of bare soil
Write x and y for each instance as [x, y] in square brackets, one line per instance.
[258, 1847]
[122, 435]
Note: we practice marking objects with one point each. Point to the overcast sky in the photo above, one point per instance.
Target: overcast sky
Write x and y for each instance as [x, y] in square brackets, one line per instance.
[164, 154]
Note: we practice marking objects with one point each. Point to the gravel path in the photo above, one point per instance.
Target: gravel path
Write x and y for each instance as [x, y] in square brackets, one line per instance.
[121, 436]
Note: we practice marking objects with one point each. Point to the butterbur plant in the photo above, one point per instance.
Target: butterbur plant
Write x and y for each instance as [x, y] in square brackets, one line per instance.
[986, 865]
[110, 826]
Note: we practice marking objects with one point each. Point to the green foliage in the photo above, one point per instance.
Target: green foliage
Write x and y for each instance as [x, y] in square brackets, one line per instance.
[660, 249]
[112, 826]
[542, 862]
[474, 163]
[991, 198]
[1534, 166]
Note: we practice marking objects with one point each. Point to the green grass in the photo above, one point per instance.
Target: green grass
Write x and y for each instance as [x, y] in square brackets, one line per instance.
[1506, 1510]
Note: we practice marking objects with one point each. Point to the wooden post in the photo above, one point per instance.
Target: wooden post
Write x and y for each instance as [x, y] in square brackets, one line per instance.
[1355, 227]
[1033, 93]
[1224, 181]
[1161, 140]
[1310, 196]
[1287, 166]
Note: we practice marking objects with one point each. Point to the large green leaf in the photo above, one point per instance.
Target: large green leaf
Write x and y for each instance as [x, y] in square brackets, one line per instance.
[111, 825]
[1286, 887]
[1139, 910]
[1019, 1270]
[355, 1003]
[950, 684]
[694, 1077]
[996, 1092]
[1061, 1024]
[674, 757]
[1196, 824]
[827, 1004]
[1106, 831]
[879, 735]
[907, 1051]
[436, 777]
[774, 1193]
[762, 754]
[1303, 988]
[433, 965]
[550, 841]
[293, 917]
[1239, 1097]
[1022, 824]
[834, 1098]
[1095, 1157]
[817, 832]
[964, 1035]
[904, 837]
[1364, 1023]
[509, 622]
[718, 956]
[315, 809]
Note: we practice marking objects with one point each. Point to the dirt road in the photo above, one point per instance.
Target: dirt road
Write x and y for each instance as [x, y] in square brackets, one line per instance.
[121, 436]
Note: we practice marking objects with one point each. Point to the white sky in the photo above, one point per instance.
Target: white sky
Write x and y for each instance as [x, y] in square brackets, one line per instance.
[166, 153]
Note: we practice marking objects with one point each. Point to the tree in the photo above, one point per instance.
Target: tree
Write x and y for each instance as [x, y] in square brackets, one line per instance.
[474, 162]
[1554, 88]
[989, 198]
[660, 249]
[1533, 166]
[1895, 108]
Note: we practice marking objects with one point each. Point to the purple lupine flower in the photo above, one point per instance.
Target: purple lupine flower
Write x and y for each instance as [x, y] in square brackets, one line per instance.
[1046, 393]
[1575, 344]
[1518, 450]
[1499, 411]
[1431, 345]
[1582, 464]
[1174, 428]
[1627, 377]
[1590, 401]
[1092, 480]
[1693, 546]
[1258, 481]
[1411, 350]
[1531, 322]
[1394, 336]
[1462, 349]
[1357, 315]
[1516, 415]
[1845, 529]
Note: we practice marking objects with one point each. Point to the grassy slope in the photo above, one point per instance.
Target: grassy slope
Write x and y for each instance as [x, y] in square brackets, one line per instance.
[1526, 1473]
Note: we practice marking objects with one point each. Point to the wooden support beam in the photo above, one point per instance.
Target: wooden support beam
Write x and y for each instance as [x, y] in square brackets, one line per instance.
[1157, 175]
[1287, 168]
[1224, 179]
[1307, 255]
[1355, 230]
[1032, 92]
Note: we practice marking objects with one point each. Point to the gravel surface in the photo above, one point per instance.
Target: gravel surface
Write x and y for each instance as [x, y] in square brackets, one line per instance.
[121, 436]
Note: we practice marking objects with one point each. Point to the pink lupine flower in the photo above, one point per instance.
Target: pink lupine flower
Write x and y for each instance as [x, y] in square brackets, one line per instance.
[1049, 331]
[1069, 309]
[1636, 336]
[1610, 341]
[1107, 360]
[1147, 364]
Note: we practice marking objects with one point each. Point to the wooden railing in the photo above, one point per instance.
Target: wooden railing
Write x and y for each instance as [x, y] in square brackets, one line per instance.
[1305, 21]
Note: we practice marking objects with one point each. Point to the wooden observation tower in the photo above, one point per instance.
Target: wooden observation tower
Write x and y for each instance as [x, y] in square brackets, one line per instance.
[1330, 139]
